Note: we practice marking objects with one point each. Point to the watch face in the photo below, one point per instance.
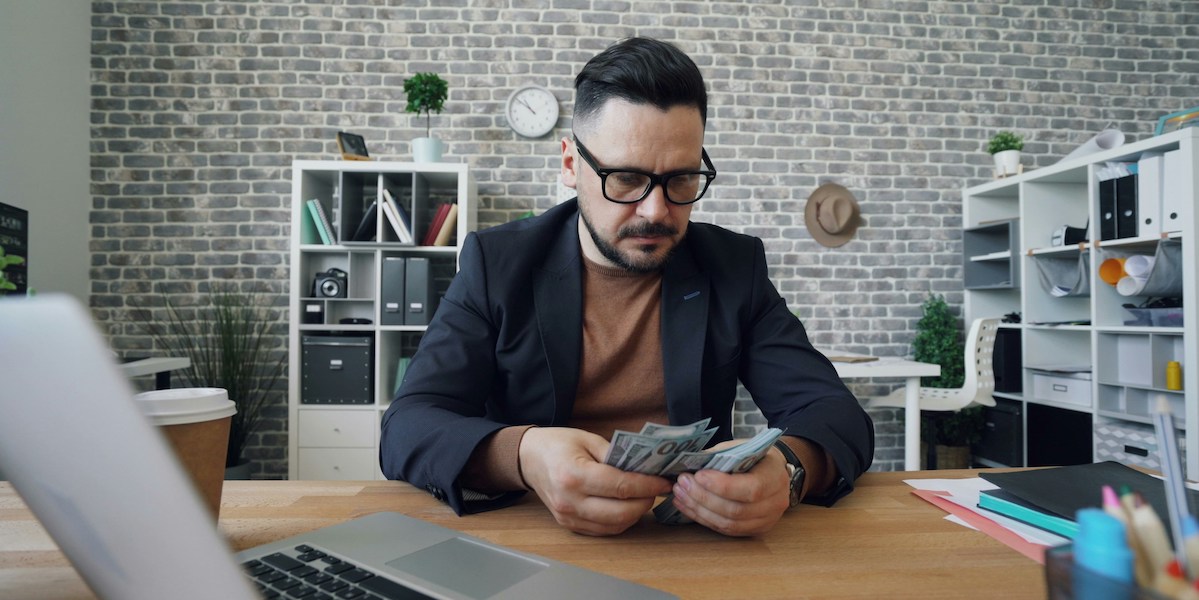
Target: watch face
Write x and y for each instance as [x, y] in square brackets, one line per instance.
[532, 111]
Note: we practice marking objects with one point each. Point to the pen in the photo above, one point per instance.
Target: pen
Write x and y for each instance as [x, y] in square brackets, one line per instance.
[1152, 535]
[1176, 501]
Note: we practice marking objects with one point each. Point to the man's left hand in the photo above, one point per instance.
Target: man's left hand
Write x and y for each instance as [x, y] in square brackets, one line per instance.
[741, 504]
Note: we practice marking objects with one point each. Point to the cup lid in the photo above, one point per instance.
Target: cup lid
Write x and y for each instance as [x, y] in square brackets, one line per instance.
[185, 405]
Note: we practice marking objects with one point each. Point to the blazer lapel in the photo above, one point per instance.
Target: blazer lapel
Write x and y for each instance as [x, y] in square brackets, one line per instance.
[685, 293]
[559, 319]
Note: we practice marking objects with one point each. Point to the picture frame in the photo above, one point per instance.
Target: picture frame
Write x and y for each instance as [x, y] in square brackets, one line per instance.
[1177, 120]
[352, 146]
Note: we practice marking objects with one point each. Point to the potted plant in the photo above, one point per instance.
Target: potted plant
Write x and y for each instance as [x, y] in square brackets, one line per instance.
[426, 94]
[1005, 147]
[939, 340]
[229, 343]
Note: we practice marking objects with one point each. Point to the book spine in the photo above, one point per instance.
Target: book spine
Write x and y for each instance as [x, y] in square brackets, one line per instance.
[322, 222]
[447, 227]
[435, 225]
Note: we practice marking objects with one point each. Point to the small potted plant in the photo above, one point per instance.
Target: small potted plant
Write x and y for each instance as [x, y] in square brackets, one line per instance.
[426, 94]
[1006, 147]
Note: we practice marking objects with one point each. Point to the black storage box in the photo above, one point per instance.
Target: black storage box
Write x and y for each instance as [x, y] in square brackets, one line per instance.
[337, 369]
[1002, 442]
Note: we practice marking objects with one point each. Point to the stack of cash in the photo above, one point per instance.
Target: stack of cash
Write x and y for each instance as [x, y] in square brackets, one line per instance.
[670, 450]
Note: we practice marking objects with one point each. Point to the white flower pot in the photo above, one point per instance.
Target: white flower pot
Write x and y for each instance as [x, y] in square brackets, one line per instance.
[1007, 162]
[427, 149]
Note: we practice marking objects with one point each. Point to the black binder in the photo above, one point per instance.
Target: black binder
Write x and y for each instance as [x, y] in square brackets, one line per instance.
[391, 291]
[419, 297]
[1107, 210]
[1126, 207]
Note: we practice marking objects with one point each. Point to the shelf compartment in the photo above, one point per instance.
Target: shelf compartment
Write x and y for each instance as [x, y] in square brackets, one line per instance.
[987, 255]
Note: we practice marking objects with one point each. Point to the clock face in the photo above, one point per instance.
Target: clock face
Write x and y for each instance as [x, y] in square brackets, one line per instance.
[532, 111]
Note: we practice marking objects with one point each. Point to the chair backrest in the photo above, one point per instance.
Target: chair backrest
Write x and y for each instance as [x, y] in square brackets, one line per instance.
[980, 348]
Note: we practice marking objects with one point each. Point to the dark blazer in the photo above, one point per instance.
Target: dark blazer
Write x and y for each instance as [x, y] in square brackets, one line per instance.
[503, 349]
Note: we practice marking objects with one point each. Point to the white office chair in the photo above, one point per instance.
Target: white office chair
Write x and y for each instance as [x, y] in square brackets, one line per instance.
[979, 382]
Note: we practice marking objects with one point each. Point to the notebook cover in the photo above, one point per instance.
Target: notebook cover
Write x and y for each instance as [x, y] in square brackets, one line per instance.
[1062, 491]
[1011, 506]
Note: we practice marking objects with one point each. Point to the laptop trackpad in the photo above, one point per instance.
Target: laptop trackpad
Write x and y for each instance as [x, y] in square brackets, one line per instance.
[468, 568]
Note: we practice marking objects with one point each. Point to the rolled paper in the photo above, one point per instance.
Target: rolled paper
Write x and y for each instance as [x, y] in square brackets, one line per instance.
[1111, 270]
[1104, 140]
[1138, 265]
[1129, 285]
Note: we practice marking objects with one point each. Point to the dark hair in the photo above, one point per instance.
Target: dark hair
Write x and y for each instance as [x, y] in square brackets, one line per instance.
[641, 71]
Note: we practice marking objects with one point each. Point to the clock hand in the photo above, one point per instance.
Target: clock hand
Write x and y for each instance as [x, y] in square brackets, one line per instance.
[522, 101]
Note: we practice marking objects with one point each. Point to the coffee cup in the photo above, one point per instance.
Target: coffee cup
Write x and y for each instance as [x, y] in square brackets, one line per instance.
[196, 423]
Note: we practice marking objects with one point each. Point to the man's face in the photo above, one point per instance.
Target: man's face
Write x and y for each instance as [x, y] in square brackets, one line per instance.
[640, 236]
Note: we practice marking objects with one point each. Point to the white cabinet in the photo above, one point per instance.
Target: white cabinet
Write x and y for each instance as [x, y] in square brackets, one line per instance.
[344, 354]
[1085, 356]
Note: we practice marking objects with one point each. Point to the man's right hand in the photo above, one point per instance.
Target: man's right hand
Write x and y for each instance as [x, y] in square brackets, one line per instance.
[565, 467]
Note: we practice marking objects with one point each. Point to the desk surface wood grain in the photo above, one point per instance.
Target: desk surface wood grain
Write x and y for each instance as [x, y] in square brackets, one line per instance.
[879, 542]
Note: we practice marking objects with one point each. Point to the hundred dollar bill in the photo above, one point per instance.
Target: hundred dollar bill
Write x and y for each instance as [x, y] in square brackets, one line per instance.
[650, 454]
[738, 459]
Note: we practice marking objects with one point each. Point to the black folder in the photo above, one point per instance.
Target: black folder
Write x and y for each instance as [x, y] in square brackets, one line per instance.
[391, 291]
[1126, 207]
[419, 298]
[1107, 210]
[1062, 491]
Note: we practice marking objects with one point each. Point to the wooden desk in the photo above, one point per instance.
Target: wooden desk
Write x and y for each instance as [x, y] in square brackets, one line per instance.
[911, 372]
[879, 542]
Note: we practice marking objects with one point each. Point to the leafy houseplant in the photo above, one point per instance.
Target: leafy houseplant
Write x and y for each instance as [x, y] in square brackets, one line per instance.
[938, 340]
[1005, 140]
[427, 93]
[229, 345]
[1005, 148]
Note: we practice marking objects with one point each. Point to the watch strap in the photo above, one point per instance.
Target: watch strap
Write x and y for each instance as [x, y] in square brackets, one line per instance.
[795, 469]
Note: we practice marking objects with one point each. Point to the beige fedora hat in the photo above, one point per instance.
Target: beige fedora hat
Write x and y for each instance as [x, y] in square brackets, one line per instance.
[832, 215]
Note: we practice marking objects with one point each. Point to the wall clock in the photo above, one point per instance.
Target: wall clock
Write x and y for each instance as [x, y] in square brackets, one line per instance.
[532, 111]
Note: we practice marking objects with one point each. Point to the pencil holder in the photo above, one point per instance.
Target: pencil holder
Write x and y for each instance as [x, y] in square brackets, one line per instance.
[1064, 582]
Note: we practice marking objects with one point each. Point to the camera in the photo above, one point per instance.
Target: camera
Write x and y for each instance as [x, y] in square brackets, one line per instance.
[333, 283]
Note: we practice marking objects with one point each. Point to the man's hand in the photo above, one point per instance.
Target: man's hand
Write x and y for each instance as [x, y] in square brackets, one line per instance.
[564, 466]
[742, 504]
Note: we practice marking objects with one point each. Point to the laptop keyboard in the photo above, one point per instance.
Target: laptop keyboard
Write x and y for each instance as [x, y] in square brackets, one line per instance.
[305, 572]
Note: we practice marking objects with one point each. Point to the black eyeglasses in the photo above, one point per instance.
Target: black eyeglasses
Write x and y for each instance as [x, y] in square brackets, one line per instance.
[629, 186]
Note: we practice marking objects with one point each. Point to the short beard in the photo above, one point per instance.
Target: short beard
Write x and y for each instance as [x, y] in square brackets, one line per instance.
[614, 255]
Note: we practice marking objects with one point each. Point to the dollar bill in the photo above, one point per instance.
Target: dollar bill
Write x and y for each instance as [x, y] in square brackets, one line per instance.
[650, 452]
[737, 459]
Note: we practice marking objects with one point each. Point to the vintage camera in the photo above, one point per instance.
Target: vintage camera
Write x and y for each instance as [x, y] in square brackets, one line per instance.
[333, 283]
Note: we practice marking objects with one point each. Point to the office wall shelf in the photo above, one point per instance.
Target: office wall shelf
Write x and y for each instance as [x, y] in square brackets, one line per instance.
[340, 441]
[1127, 363]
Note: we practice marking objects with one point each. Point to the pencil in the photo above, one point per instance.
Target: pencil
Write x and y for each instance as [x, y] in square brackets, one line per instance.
[1176, 501]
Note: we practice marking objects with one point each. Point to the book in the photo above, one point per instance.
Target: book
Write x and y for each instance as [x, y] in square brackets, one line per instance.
[321, 220]
[1062, 491]
[1011, 506]
[404, 226]
[368, 224]
[435, 225]
[394, 221]
[447, 227]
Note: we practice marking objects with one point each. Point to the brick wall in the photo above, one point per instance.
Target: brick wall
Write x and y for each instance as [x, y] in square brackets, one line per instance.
[198, 109]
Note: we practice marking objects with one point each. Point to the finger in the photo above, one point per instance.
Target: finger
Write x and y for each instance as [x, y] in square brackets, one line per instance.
[609, 482]
[603, 516]
[721, 514]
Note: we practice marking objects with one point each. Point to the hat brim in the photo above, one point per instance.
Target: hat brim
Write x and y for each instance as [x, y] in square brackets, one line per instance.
[824, 193]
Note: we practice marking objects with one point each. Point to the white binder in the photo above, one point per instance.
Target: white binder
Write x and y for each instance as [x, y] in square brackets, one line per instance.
[1149, 194]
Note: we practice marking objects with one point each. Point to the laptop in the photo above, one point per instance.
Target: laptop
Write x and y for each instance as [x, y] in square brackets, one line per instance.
[107, 487]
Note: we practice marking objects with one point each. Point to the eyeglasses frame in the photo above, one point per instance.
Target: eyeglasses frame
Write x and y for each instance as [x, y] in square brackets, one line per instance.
[654, 178]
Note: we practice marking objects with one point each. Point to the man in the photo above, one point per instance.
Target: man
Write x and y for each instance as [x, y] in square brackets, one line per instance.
[612, 310]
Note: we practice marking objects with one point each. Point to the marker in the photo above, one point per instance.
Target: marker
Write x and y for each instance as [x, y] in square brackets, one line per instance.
[1101, 548]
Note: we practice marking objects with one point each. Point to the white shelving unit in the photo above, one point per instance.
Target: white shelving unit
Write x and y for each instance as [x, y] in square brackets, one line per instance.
[340, 441]
[1100, 370]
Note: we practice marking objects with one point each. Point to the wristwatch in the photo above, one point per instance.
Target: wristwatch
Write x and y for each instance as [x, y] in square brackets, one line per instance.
[794, 469]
